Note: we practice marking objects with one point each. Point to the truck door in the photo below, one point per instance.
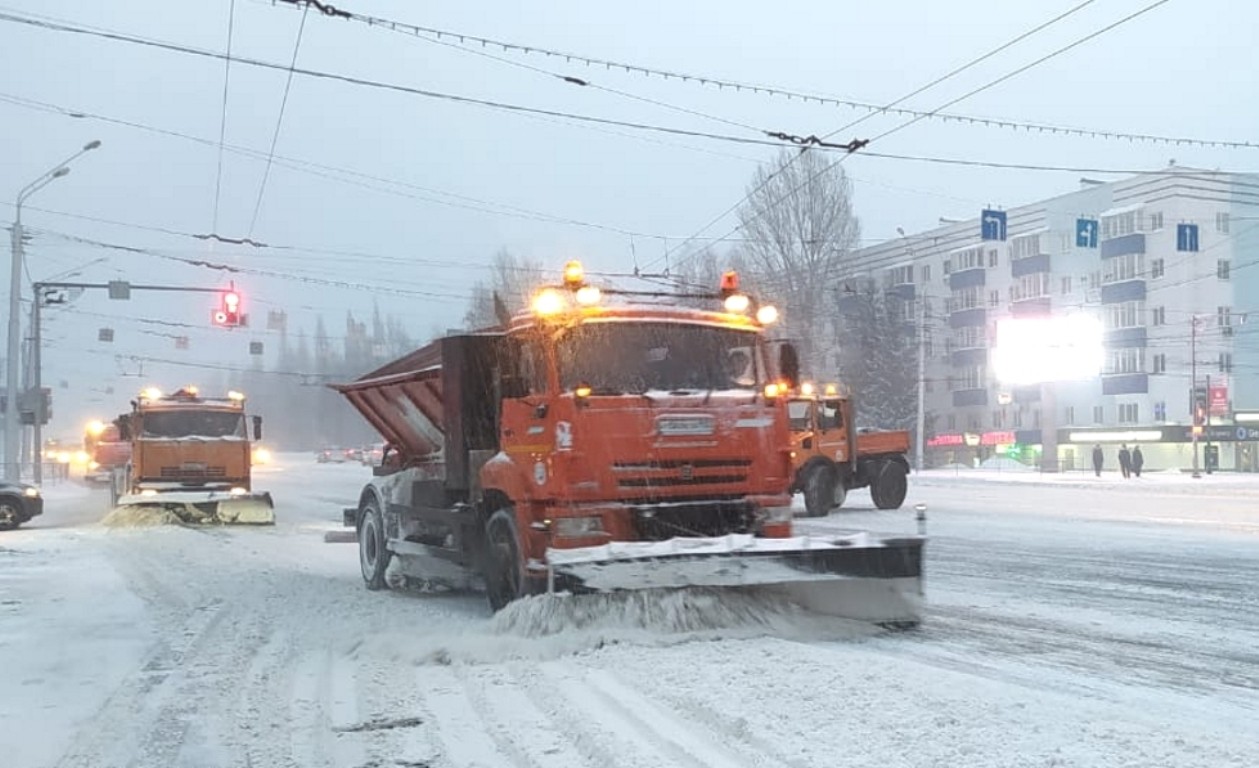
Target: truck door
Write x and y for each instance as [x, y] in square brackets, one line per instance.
[832, 430]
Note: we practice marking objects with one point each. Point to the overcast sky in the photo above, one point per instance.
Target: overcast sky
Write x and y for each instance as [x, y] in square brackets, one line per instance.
[1183, 69]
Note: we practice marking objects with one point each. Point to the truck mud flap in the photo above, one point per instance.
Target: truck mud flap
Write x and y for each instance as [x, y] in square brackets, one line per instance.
[860, 577]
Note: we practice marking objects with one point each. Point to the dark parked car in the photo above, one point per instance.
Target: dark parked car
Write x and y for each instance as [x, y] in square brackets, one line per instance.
[19, 503]
[334, 455]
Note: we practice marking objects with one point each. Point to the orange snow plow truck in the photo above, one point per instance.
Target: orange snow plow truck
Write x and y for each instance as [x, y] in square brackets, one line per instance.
[607, 440]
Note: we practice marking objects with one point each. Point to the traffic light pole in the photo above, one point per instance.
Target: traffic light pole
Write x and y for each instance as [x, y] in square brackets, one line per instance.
[1193, 390]
[37, 346]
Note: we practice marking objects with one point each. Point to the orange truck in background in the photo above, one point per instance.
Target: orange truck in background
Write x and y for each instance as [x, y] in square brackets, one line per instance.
[823, 432]
[106, 451]
[607, 440]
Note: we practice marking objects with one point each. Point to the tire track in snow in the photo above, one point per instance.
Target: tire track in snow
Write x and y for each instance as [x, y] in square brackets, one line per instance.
[390, 695]
[468, 735]
[635, 729]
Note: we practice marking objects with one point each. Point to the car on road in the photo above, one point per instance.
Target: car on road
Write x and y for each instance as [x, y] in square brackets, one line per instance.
[373, 455]
[19, 503]
[333, 455]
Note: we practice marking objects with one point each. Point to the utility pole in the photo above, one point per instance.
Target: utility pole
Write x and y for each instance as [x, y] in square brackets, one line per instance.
[1193, 390]
[920, 436]
[12, 419]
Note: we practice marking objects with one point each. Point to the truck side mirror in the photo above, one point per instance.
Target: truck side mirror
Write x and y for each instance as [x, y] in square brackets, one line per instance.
[789, 365]
[257, 428]
[124, 429]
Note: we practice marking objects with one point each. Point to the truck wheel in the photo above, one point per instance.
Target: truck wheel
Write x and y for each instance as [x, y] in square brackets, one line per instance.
[823, 491]
[504, 568]
[373, 555]
[890, 487]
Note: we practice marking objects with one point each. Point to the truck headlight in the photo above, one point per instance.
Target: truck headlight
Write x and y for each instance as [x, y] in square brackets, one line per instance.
[30, 492]
[574, 527]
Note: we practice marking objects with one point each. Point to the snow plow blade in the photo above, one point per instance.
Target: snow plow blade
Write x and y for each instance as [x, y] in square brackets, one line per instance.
[205, 508]
[861, 577]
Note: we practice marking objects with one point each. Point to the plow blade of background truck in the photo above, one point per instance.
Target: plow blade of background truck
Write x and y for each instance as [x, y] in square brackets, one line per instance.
[859, 577]
[200, 508]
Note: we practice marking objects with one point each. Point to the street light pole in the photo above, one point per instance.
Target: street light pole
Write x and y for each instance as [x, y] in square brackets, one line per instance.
[12, 422]
[1193, 390]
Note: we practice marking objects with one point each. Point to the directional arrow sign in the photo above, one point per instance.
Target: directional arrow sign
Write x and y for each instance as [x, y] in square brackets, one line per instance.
[1186, 237]
[1086, 233]
[992, 225]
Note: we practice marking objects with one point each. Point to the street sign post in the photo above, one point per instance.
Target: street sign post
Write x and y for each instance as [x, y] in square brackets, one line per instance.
[1186, 237]
[1086, 233]
[992, 225]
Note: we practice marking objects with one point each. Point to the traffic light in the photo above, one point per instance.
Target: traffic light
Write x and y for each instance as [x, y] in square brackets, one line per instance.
[228, 313]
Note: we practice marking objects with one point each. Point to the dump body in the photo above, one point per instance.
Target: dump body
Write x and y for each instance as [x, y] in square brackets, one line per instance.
[192, 456]
[823, 432]
[570, 452]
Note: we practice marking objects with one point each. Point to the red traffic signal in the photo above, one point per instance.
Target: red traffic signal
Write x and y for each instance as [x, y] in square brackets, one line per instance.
[228, 313]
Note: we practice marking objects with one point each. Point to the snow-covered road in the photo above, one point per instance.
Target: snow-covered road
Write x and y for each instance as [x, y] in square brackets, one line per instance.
[1071, 623]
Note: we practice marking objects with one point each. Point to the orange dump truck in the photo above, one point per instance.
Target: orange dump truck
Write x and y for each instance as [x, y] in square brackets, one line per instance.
[191, 457]
[823, 432]
[607, 440]
[106, 451]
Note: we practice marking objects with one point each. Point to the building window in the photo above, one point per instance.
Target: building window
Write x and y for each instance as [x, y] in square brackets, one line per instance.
[1125, 314]
[1128, 413]
[1158, 316]
[965, 298]
[1221, 222]
[1222, 269]
[994, 298]
[1017, 421]
[1125, 360]
[926, 272]
[1156, 221]
[1095, 280]
[948, 266]
[970, 337]
[972, 423]
[997, 421]
[952, 421]
[1226, 362]
[1097, 414]
[1119, 225]
[1036, 419]
[1159, 363]
[1023, 247]
[971, 258]
[899, 276]
[992, 258]
[972, 377]
[1030, 287]
[1224, 316]
[1126, 267]
[1156, 269]
[1069, 415]
[1066, 284]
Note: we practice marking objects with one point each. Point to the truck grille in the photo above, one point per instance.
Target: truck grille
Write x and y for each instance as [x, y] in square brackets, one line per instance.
[710, 517]
[672, 473]
[180, 473]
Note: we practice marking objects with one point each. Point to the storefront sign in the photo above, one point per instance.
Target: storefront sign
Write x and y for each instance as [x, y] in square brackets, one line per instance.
[945, 441]
[1217, 397]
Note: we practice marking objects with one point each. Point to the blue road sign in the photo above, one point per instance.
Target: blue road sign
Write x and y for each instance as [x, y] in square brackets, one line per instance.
[1186, 237]
[992, 225]
[1086, 233]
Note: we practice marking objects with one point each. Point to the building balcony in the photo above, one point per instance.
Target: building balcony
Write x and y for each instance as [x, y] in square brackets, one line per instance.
[1123, 245]
[1030, 265]
[969, 356]
[968, 318]
[1125, 383]
[905, 291]
[1125, 337]
[967, 278]
[963, 398]
[1128, 290]
[1038, 306]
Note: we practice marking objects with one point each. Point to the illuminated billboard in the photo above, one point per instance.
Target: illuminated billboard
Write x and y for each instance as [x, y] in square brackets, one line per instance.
[1037, 349]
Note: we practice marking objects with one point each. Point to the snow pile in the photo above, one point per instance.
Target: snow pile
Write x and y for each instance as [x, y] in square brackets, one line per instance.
[671, 610]
[1005, 464]
[139, 517]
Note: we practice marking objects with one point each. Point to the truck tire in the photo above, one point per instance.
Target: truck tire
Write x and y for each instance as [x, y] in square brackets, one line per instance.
[823, 491]
[504, 568]
[890, 486]
[373, 554]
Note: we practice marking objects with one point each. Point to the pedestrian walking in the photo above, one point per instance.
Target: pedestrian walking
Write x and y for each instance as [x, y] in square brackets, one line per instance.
[1098, 458]
[1125, 460]
[1137, 460]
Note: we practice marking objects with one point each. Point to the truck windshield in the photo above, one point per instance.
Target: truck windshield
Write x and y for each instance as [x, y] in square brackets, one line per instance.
[175, 424]
[618, 358]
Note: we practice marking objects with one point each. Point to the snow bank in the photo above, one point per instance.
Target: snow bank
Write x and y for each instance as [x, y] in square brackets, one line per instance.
[138, 517]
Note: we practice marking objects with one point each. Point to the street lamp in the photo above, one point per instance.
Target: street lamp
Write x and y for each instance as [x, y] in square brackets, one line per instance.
[12, 424]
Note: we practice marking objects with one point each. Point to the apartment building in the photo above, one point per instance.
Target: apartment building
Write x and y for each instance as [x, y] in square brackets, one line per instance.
[1168, 261]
